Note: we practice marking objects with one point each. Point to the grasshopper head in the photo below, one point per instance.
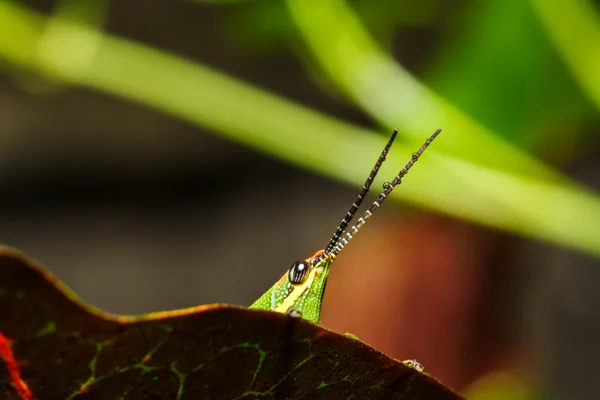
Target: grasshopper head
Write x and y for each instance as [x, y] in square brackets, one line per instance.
[299, 291]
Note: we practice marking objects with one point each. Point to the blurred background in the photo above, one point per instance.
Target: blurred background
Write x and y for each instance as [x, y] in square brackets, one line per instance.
[165, 154]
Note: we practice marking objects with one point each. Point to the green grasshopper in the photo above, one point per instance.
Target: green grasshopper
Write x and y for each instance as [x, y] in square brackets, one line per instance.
[300, 290]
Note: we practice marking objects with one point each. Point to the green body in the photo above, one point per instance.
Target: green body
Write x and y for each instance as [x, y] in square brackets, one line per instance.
[304, 298]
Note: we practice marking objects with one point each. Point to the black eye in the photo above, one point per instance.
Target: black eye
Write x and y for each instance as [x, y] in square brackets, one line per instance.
[299, 272]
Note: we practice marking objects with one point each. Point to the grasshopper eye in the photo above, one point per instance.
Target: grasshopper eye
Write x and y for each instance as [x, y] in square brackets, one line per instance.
[299, 272]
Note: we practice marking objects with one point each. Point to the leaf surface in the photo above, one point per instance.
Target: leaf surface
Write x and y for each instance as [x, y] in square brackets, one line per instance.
[54, 346]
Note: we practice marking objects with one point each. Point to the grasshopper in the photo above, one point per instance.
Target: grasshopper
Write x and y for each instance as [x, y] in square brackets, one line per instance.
[299, 292]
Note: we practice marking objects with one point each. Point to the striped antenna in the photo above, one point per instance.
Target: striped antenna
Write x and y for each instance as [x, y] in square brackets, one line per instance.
[388, 189]
[350, 214]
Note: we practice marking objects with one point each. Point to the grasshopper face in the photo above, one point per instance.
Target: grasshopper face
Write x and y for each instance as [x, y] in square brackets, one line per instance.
[299, 292]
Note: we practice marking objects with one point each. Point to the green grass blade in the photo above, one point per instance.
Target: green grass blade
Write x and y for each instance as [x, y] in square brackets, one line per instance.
[557, 212]
[574, 28]
[372, 79]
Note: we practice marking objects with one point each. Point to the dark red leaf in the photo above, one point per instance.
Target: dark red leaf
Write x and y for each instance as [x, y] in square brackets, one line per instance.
[53, 346]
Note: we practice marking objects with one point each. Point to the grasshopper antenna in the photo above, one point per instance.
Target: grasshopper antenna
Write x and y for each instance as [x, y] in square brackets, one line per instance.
[388, 189]
[361, 196]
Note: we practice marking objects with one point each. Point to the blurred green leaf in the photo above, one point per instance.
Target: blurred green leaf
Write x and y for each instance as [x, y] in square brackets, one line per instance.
[374, 81]
[500, 386]
[558, 211]
[574, 28]
[501, 69]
